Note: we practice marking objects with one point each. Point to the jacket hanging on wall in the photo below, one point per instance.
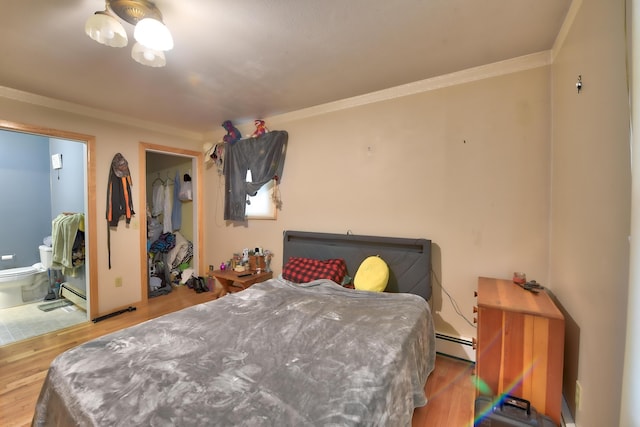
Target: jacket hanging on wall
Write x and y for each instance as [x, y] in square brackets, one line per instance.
[119, 201]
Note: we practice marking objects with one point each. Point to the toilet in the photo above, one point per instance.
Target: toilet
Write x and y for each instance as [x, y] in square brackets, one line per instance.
[46, 255]
[26, 284]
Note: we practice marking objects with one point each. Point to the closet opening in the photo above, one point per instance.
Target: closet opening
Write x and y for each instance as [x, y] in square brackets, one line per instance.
[171, 227]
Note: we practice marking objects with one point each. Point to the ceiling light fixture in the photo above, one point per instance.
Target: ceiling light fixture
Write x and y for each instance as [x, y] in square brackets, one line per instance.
[148, 56]
[152, 36]
[105, 29]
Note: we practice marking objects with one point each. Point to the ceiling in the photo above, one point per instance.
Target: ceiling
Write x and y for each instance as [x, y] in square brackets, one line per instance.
[248, 59]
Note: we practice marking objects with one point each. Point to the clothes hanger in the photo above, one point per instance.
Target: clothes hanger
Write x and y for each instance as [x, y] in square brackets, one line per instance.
[157, 180]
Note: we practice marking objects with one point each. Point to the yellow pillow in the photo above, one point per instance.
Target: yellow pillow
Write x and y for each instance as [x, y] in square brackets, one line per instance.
[372, 275]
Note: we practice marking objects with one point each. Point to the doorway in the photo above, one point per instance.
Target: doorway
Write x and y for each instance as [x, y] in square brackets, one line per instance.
[73, 167]
[161, 164]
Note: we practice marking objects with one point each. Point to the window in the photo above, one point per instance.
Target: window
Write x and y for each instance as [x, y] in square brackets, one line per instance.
[262, 205]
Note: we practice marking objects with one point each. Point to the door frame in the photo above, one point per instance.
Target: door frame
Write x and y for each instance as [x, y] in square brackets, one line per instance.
[91, 235]
[197, 162]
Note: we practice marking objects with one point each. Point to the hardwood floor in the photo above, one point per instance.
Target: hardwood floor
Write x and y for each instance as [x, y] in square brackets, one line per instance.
[24, 365]
[451, 395]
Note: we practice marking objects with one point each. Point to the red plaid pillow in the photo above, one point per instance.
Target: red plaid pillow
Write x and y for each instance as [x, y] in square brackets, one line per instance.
[302, 270]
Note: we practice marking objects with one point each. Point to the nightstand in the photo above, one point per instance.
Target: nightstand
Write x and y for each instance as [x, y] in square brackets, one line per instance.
[232, 281]
[520, 344]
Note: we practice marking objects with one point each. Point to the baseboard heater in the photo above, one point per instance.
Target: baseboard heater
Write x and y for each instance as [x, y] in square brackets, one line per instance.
[73, 295]
[461, 348]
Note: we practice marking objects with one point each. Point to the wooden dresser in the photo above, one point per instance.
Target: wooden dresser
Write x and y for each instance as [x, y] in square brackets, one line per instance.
[520, 345]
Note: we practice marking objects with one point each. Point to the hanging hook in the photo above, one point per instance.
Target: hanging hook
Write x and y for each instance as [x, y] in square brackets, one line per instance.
[579, 83]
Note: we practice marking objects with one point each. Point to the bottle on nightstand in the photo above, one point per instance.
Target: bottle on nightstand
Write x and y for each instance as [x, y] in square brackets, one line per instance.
[210, 282]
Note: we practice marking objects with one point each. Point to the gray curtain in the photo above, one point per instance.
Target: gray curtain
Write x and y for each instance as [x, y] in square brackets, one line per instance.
[264, 156]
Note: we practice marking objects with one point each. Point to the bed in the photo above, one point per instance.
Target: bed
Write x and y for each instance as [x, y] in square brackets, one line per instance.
[278, 353]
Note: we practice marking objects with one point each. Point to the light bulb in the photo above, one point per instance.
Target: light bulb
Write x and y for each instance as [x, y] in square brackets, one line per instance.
[153, 34]
[148, 57]
[105, 29]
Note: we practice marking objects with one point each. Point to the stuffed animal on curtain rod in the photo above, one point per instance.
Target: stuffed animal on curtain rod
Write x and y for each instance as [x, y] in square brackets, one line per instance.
[261, 128]
[233, 134]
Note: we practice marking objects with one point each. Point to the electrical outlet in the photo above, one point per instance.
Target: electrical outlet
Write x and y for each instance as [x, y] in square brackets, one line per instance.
[578, 394]
[118, 282]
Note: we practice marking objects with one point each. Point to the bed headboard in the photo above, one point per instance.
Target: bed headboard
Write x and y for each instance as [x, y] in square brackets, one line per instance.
[409, 260]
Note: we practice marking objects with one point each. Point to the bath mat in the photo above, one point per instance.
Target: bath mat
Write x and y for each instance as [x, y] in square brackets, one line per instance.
[55, 304]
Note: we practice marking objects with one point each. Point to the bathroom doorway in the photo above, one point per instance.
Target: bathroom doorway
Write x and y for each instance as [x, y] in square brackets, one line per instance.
[61, 179]
[168, 167]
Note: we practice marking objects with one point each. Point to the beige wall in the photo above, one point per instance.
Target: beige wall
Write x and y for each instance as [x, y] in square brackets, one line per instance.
[466, 166]
[515, 172]
[110, 138]
[590, 213]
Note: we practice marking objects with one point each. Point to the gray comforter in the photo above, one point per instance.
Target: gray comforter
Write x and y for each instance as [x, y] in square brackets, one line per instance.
[276, 354]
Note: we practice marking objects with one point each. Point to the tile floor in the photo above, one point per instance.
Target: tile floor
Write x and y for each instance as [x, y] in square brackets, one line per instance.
[26, 321]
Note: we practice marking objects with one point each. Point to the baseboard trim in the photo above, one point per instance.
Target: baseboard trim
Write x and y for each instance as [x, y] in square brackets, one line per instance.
[458, 347]
[567, 418]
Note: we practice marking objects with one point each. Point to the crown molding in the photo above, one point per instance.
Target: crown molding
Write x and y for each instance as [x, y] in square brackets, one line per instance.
[566, 26]
[482, 72]
[69, 107]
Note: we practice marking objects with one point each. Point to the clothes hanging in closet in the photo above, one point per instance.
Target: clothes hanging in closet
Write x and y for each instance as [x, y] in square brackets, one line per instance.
[176, 208]
[157, 200]
[167, 227]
